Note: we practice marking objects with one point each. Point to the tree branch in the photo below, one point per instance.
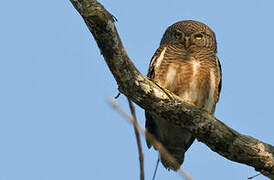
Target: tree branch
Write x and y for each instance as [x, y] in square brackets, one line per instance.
[150, 137]
[138, 139]
[206, 128]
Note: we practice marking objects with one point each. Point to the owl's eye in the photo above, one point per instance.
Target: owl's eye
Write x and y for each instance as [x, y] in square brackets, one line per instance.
[198, 36]
[178, 34]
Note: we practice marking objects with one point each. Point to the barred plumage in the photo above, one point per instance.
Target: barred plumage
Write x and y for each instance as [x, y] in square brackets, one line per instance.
[185, 64]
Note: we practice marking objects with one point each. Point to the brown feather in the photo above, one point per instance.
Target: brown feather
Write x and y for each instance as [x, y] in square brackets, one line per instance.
[193, 74]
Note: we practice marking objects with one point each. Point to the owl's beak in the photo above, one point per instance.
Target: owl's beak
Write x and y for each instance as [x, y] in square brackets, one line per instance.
[187, 41]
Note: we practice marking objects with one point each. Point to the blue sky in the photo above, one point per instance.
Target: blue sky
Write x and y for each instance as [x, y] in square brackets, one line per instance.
[55, 122]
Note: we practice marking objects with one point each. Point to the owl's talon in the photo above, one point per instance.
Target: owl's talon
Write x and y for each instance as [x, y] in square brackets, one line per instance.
[170, 96]
[174, 102]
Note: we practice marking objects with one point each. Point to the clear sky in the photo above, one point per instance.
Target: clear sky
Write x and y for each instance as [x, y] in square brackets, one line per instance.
[55, 123]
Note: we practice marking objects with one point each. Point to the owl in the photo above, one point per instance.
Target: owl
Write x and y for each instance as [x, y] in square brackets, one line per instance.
[187, 65]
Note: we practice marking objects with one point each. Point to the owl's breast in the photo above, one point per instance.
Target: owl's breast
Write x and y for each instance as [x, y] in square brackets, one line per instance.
[192, 80]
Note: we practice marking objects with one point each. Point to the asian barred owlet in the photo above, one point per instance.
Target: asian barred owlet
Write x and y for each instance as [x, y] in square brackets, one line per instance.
[185, 64]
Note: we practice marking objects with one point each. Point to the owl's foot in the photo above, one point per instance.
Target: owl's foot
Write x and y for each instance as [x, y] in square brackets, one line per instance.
[169, 95]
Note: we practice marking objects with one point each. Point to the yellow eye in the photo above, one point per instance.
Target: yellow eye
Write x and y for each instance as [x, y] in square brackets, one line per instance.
[178, 34]
[198, 36]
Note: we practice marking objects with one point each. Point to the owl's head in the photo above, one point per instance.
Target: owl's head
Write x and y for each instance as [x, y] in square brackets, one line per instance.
[190, 33]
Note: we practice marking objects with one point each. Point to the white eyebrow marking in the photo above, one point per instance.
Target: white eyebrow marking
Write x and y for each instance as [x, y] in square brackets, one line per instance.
[159, 60]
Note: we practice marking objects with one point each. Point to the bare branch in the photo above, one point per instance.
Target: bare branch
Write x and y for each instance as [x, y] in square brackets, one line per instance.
[150, 137]
[138, 139]
[206, 128]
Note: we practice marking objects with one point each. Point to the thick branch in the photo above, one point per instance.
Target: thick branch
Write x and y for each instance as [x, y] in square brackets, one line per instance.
[206, 128]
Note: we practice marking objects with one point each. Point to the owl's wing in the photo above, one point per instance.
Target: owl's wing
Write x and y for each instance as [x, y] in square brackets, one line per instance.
[151, 127]
[150, 124]
[173, 138]
[153, 62]
[220, 75]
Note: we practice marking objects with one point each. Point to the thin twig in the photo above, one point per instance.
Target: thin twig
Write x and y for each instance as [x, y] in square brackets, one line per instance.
[254, 176]
[138, 139]
[157, 164]
[116, 97]
[150, 137]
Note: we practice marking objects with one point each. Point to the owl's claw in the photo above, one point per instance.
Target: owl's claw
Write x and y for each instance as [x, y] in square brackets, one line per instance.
[174, 102]
[169, 95]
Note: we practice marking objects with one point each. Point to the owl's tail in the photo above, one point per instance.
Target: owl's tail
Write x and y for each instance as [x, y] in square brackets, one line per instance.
[166, 164]
[175, 140]
[178, 153]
